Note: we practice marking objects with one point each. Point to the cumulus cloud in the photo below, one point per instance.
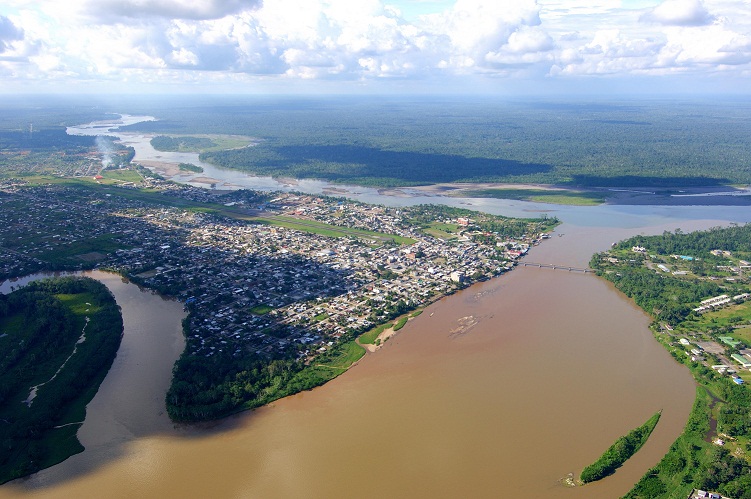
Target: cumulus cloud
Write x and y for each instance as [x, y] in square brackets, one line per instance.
[114, 10]
[679, 13]
[9, 33]
[365, 40]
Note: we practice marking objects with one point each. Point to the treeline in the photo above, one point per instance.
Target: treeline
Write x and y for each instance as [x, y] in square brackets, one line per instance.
[205, 388]
[665, 298]
[403, 142]
[618, 453]
[177, 144]
[42, 325]
[190, 167]
[697, 244]
[47, 139]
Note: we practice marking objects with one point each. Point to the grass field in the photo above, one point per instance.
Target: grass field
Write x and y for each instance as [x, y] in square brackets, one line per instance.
[442, 230]
[369, 336]
[557, 196]
[124, 175]
[400, 323]
[728, 316]
[261, 309]
[80, 304]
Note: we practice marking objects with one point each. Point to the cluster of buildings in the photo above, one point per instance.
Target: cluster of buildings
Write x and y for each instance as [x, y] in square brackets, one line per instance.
[254, 288]
[720, 301]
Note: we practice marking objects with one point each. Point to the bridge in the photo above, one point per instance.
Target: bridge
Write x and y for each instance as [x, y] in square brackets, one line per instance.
[555, 267]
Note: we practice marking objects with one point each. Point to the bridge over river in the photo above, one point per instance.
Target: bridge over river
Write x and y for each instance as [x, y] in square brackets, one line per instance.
[555, 267]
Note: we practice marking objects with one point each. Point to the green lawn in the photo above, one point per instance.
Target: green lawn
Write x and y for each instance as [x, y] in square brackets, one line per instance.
[80, 303]
[124, 175]
[400, 323]
[733, 315]
[553, 196]
[261, 309]
[369, 336]
[442, 230]
[342, 356]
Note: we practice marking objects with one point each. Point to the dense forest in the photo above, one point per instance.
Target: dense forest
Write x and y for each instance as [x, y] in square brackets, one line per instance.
[410, 141]
[398, 141]
[209, 388]
[164, 143]
[58, 338]
[667, 298]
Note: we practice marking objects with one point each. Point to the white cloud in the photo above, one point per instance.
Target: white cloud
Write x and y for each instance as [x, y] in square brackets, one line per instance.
[9, 33]
[679, 13]
[114, 10]
[368, 40]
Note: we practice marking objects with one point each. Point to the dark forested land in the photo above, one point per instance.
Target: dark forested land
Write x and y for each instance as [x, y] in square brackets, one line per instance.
[60, 336]
[391, 141]
[164, 143]
[669, 275]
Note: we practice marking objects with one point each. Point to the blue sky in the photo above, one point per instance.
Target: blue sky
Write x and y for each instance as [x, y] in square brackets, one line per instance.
[502, 47]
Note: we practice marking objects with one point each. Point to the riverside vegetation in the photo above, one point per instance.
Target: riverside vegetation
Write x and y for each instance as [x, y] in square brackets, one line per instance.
[58, 338]
[669, 276]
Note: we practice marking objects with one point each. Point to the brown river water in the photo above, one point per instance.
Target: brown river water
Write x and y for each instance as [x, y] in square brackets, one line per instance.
[499, 390]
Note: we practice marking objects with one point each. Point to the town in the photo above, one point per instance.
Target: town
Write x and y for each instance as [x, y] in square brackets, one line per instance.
[262, 275]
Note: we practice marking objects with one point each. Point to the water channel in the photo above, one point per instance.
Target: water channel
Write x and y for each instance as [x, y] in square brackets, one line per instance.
[501, 389]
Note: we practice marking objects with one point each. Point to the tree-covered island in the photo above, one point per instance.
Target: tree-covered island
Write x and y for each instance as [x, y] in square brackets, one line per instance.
[696, 287]
[620, 452]
[58, 338]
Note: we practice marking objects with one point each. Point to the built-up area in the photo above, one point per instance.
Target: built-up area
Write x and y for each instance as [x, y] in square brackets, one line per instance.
[251, 283]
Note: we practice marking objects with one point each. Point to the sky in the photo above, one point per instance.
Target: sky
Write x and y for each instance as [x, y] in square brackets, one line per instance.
[503, 47]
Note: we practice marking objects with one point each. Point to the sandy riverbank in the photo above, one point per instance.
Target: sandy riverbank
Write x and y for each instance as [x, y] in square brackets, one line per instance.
[647, 195]
[710, 195]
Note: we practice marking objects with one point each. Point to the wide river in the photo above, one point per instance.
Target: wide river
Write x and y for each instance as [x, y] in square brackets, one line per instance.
[500, 390]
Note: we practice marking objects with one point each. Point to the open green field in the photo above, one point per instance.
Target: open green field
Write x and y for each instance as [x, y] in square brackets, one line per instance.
[122, 175]
[369, 336]
[202, 142]
[261, 309]
[400, 323]
[81, 304]
[442, 230]
[342, 357]
[725, 317]
[552, 196]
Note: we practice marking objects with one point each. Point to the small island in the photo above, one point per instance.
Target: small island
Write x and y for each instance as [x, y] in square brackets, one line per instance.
[620, 452]
[190, 167]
